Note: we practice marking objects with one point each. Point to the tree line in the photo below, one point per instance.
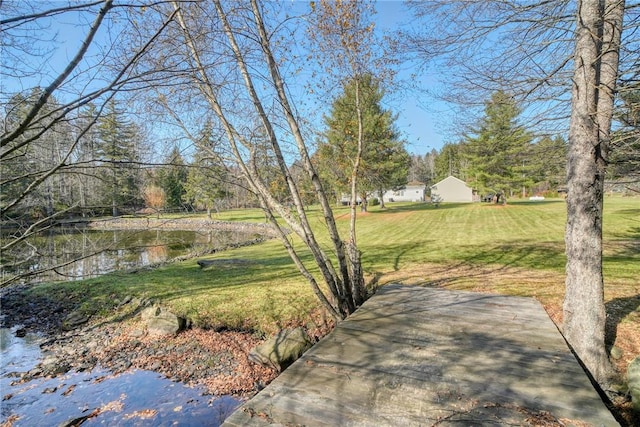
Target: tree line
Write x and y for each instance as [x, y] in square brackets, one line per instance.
[108, 170]
[500, 156]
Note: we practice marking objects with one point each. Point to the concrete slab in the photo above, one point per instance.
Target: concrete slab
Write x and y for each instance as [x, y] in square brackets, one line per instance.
[413, 356]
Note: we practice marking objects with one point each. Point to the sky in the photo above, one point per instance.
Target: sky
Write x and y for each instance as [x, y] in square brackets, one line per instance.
[418, 123]
[421, 128]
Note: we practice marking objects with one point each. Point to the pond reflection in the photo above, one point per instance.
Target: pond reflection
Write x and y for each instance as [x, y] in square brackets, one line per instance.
[135, 398]
[76, 253]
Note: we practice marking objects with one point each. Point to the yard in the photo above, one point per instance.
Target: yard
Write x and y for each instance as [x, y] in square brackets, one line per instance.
[517, 249]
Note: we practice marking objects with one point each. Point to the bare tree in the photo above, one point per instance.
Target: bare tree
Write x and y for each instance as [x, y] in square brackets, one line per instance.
[155, 198]
[597, 50]
[230, 57]
[95, 73]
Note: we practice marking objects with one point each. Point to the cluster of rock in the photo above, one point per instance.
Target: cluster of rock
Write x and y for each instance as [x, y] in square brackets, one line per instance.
[150, 340]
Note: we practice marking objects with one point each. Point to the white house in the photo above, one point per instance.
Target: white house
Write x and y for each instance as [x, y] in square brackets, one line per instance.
[412, 192]
[451, 189]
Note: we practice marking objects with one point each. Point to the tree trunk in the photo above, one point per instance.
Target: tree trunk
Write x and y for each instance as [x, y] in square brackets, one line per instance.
[364, 202]
[341, 300]
[598, 30]
[381, 194]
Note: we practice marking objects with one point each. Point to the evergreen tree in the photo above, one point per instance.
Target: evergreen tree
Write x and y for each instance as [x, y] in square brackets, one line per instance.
[624, 161]
[205, 186]
[546, 163]
[173, 177]
[118, 154]
[385, 162]
[497, 152]
[450, 161]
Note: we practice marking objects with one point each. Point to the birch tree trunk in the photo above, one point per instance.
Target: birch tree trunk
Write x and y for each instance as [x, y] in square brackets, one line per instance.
[344, 292]
[598, 29]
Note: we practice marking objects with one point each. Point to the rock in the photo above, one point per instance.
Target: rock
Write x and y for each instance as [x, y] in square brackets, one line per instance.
[51, 366]
[616, 353]
[162, 322]
[633, 379]
[74, 320]
[281, 350]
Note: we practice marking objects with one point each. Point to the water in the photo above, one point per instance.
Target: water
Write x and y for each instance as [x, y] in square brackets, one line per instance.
[82, 253]
[135, 398]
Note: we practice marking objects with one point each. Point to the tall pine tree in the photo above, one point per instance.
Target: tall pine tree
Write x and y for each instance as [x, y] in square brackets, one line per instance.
[497, 152]
[385, 162]
[173, 177]
[118, 153]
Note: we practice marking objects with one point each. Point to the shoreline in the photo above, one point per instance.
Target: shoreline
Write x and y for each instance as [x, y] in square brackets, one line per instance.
[186, 224]
[215, 360]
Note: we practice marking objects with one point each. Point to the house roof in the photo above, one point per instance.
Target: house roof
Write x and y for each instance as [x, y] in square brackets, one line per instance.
[450, 178]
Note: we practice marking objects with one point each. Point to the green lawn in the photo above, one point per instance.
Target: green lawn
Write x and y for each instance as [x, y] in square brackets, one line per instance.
[515, 249]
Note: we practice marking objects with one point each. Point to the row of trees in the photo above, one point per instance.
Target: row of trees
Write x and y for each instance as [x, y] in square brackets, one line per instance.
[499, 155]
[230, 101]
[110, 173]
[72, 164]
[103, 170]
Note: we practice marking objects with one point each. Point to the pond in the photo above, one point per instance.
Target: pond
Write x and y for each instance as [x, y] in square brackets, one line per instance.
[80, 253]
[97, 397]
[134, 398]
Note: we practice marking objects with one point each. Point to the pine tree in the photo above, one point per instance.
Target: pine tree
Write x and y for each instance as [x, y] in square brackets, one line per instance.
[450, 161]
[206, 182]
[385, 162]
[173, 177]
[497, 152]
[118, 154]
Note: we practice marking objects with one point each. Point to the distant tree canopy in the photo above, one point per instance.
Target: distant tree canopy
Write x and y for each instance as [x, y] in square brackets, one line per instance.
[624, 162]
[384, 163]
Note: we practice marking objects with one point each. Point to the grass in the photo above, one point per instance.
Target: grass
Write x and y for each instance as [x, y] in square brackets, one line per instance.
[516, 249]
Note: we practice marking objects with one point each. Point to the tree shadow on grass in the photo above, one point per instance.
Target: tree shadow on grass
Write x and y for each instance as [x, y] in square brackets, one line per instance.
[391, 208]
[617, 309]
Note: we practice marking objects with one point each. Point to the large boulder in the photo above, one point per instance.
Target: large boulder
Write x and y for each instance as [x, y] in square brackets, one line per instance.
[633, 380]
[282, 350]
[73, 320]
[162, 322]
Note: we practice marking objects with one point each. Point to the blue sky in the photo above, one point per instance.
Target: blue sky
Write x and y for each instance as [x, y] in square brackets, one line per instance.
[421, 128]
[418, 115]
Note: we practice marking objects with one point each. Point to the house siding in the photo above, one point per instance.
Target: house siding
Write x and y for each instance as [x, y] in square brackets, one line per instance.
[451, 189]
[413, 192]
